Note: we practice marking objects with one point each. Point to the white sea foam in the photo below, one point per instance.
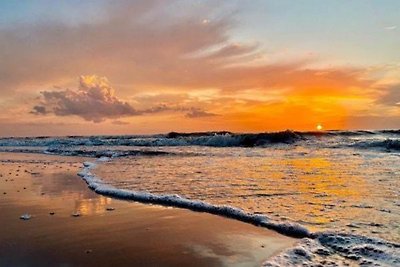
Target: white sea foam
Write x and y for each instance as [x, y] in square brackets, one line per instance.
[338, 249]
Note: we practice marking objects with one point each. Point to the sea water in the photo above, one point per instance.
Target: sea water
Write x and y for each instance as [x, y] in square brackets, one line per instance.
[339, 191]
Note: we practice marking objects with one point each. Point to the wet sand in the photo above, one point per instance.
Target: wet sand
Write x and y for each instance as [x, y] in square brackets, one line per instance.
[132, 234]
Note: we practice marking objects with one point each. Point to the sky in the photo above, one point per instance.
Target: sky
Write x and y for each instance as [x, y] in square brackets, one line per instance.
[152, 66]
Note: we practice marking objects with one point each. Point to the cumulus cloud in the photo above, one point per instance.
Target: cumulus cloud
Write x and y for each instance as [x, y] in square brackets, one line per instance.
[94, 100]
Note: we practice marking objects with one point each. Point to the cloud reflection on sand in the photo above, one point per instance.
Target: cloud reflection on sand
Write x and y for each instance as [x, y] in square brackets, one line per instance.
[52, 178]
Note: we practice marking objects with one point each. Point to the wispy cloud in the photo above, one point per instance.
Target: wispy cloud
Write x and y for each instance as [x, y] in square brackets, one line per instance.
[134, 46]
[137, 42]
[198, 113]
[390, 95]
[391, 28]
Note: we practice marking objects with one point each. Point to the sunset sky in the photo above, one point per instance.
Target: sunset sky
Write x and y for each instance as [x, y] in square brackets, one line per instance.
[133, 67]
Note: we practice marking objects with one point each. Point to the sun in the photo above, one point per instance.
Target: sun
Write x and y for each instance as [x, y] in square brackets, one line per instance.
[319, 127]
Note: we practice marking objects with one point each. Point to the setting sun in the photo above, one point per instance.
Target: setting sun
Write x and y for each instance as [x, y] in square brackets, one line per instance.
[319, 127]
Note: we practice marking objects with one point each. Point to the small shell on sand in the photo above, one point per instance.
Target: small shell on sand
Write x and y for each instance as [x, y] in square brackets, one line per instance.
[75, 214]
[110, 208]
[25, 217]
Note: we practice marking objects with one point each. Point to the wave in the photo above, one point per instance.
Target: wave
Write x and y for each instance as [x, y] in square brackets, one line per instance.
[215, 139]
[314, 248]
[394, 132]
[337, 139]
[97, 185]
[232, 139]
[105, 153]
[92, 153]
[339, 249]
[387, 145]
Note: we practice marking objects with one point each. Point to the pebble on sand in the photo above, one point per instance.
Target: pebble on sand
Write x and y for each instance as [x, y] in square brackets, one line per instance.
[25, 217]
[110, 208]
[76, 214]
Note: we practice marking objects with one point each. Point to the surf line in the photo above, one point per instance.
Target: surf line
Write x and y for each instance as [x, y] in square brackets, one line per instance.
[98, 186]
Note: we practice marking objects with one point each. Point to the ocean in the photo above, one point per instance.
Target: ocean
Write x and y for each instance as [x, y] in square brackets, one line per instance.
[338, 191]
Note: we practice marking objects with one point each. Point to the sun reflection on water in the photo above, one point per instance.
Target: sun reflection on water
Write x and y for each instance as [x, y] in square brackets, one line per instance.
[322, 189]
[93, 205]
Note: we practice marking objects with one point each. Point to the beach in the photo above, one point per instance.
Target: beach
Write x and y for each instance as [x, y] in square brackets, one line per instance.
[107, 231]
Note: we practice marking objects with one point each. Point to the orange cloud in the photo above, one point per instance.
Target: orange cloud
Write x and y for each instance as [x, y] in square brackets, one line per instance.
[174, 68]
[93, 101]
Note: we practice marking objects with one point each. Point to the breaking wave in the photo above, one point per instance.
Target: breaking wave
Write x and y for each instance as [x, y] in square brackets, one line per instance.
[215, 139]
[388, 144]
[362, 139]
[88, 152]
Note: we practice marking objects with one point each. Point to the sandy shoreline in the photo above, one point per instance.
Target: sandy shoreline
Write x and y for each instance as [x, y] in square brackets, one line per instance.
[132, 234]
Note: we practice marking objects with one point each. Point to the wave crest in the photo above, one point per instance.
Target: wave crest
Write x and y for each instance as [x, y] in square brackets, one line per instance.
[388, 144]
